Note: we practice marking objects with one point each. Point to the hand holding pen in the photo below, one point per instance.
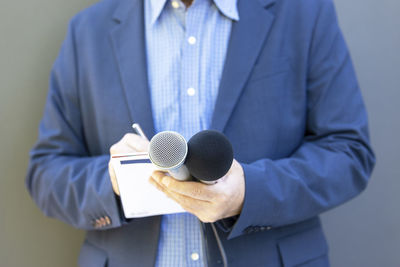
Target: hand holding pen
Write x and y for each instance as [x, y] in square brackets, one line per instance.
[130, 143]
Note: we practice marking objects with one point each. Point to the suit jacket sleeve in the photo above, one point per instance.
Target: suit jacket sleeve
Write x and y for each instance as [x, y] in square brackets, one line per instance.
[64, 180]
[334, 161]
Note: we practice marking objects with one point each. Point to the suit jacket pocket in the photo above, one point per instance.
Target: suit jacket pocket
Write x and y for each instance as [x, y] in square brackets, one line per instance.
[303, 247]
[92, 256]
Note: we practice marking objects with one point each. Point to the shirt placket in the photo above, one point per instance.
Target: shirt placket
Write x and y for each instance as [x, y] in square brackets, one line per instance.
[190, 68]
[190, 104]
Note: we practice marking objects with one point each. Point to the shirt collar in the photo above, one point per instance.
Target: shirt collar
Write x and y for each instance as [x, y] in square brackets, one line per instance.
[226, 7]
[156, 6]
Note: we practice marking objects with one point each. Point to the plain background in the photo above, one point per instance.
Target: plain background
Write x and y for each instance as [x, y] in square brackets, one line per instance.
[364, 232]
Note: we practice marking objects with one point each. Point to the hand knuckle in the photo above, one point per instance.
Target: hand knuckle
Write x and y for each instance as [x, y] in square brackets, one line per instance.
[126, 136]
[196, 191]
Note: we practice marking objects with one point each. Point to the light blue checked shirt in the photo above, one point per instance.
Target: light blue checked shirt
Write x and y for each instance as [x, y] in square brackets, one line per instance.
[186, 51]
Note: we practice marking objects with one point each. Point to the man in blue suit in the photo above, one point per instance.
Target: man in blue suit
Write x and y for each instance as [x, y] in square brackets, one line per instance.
[274, 76]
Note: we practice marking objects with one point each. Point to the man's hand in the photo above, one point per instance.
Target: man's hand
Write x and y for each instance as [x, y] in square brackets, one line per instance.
[128, 144]
[208, 202]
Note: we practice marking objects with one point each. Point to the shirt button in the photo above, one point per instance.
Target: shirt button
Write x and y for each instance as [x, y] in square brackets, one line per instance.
[191, 91]
[175, 4]
[195, 256]
[192, 40]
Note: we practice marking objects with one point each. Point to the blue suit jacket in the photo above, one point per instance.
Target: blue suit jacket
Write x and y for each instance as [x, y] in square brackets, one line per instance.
[288, 101]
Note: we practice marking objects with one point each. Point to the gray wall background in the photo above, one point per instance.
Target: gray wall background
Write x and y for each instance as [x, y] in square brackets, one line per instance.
[364, 232]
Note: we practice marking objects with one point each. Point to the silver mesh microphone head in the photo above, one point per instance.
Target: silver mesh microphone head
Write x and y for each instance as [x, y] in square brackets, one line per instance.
[168, 150]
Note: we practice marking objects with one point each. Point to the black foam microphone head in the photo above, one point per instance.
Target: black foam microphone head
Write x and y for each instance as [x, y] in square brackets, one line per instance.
[210, 155]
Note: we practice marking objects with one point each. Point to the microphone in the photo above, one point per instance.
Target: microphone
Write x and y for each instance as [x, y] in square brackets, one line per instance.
[210, 156]
[207, 156]
[167, 151]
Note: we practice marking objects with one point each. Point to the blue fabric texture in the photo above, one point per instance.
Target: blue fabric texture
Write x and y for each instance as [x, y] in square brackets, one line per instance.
[186, 50]
[288, 100]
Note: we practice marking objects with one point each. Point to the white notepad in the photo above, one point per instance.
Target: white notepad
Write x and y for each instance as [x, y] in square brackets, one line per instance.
[139, 198]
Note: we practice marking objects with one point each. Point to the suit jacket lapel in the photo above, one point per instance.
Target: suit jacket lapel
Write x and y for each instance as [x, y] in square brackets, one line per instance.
[128, 41]
[129, 47]
[247, 37]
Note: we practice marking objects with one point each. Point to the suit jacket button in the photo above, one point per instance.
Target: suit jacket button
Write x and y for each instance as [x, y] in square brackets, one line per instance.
[102, 222]
[108, 220]
[97, 223]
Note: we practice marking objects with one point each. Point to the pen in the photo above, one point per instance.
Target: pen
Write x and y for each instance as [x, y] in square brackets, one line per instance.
[138, 130]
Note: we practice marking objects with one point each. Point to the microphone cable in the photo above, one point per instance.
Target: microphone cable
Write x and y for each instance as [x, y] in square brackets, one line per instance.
[220, 246]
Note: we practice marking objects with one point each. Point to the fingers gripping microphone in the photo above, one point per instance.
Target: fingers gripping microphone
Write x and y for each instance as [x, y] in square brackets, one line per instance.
[167, 151]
